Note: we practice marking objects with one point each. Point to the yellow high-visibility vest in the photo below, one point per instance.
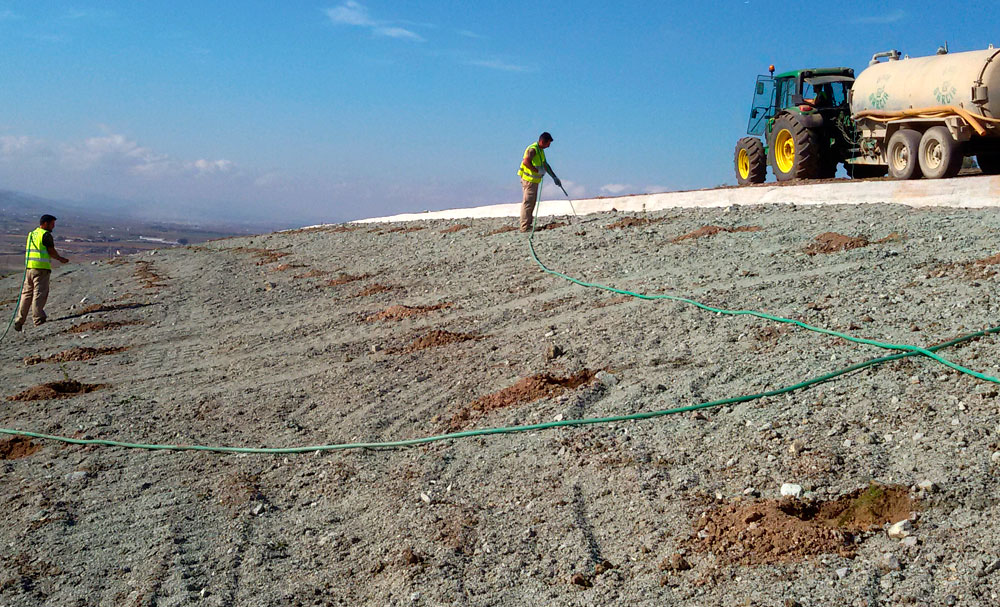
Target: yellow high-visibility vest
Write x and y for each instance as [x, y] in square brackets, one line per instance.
[35, 254]
[538, 162]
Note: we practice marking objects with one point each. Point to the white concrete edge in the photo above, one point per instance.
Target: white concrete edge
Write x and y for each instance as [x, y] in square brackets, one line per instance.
[960, 192]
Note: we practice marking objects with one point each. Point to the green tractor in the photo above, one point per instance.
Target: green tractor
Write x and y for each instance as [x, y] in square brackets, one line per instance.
[804, 118]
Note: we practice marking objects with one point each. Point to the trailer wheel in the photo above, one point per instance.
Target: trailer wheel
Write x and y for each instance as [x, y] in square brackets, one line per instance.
[940, 154]
[989, 162]
[751, 162]
[902, 152]
[794, 151]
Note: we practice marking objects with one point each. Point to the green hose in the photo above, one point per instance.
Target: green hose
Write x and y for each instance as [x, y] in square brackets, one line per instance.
[906, 352]
[24, 277]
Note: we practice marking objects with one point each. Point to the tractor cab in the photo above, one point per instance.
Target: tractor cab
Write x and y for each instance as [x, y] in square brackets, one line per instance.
[813, 111]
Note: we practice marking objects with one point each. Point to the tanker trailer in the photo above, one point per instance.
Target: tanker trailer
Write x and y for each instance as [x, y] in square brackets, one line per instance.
[921, 116]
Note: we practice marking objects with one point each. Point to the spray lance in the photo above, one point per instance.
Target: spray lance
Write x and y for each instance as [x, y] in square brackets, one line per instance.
[555, 180]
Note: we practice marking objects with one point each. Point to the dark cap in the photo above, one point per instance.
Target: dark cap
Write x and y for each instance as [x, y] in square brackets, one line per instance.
[46, 218]
[546, 136]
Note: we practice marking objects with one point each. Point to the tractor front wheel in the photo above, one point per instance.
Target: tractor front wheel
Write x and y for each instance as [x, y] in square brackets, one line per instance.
[750, 160]
[795, 151]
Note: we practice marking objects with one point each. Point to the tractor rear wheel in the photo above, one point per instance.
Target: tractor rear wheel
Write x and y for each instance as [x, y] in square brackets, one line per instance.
[794, 151]
[902, 152]
[940, 155]
[751, 162]
[989, 162]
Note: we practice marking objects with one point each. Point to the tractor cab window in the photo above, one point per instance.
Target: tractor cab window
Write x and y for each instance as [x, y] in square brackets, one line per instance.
[826, 91]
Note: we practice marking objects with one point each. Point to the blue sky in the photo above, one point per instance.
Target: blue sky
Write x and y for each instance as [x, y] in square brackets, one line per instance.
[308, 112]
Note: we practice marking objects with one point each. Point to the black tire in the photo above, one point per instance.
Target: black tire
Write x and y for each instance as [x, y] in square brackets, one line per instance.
[865, 171]
[750, 161]
[794, 151]
[940, 155]
[902, 153]
[989, 162]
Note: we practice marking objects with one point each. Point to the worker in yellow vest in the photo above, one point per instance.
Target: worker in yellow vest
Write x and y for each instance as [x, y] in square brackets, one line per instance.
[533, 168]
[39, 252]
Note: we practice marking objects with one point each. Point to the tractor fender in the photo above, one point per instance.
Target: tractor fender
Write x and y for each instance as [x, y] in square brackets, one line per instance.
[811, 121]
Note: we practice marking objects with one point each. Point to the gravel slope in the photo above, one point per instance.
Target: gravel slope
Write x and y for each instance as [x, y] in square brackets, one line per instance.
[292, 339]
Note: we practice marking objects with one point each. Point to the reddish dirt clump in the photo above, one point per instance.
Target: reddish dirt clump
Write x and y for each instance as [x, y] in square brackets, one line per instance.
[631, 222]
[612, 301]
[56, 389]
[529, 389]
[551, 226]
[787, 530]
[266, 255]
[705, 231]
[832, 242]
[73, 354]
[401, 312]
[109, 308]
[455, 228]
[144, 272]
[312, 274]
[343, 279]
[439, 338]
[287, 266]
[17, 447]
[373, 290]
[502, 230]
[402, 230]
[100, 325]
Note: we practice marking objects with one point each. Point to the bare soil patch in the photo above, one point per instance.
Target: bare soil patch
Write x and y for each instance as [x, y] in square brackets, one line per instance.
[57, 389]
[706, 231]
[17, 447]
[438, 338]
[343, 279]
[980, 269]
[265, 256]
[402, 230]
[109, 308]
[314, 273]
[832, 242]
[455, 228]
[551, 226]
[287, 266]
[789, 530]
[529, 389]
[401, 312]
[373, 290]
[631, 222]
[100, 325]
[612, 301]
[502, 230]
[73, 354]
[144, 272]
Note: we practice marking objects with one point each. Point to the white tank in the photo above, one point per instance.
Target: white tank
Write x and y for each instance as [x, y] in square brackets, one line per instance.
[970, 80]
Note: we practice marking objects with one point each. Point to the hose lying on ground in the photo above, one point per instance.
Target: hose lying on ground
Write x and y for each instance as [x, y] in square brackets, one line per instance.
[906, 352]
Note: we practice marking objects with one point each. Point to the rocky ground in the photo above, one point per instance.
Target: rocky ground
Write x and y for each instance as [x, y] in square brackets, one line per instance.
[368, 333]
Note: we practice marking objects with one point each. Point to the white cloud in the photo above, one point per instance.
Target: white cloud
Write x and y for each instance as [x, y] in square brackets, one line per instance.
[398, 32]
[552, 192]
[350, 13]
[355, 14]
[615, 188]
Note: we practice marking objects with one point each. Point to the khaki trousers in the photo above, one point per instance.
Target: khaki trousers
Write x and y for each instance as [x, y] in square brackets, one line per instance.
[33, 296]
[528, 203]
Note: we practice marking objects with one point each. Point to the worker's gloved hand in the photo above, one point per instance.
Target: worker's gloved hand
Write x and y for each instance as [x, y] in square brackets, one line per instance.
[557, 182]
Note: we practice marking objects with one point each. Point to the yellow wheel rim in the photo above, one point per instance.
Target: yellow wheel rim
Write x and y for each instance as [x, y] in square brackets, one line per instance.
[743, 163]
[784, 150]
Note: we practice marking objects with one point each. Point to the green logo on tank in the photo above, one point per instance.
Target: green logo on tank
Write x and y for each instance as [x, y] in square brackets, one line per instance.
[879, 98]
[945, 93]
